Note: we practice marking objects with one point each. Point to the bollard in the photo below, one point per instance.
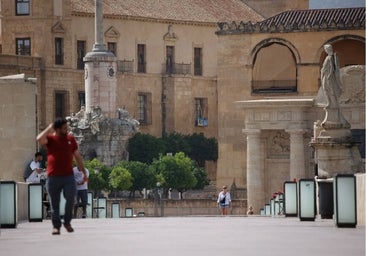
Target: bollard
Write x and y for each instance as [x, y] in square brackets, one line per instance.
[8, 204]
[290, 199]
[35, 202]
[345, 200]
[307, 200]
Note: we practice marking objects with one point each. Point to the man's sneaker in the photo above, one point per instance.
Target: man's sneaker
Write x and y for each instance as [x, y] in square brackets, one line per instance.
[68, 228]
[83, 216]
[55, 231]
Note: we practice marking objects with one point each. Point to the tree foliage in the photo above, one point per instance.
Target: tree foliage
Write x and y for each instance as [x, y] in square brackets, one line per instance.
[120, 178]
[176, 172]
[142, 175]
[98, 176]
[145, 148]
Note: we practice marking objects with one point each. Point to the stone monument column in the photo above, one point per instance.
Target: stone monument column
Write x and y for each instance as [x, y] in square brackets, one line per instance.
[100, 72]
[297, 154]
[255, 170]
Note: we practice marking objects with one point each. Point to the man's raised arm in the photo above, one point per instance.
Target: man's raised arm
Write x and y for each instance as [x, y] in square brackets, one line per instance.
[42, 137]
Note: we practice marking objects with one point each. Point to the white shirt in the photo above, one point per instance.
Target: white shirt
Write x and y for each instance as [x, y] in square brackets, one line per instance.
[35, 165]
[227, 197]
[34, 177]
[79, 177]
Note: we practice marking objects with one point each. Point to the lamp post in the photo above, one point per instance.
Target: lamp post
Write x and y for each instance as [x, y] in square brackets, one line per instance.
[156, 198]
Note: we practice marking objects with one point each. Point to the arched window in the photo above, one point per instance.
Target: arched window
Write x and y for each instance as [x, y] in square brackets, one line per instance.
[274, 70]
[349, 51]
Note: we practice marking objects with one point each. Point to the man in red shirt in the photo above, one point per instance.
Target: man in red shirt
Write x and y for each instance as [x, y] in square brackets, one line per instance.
[61, 150]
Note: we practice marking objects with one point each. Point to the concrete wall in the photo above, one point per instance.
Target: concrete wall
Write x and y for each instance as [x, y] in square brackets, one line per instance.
[184, 207]
[17, 125]
[361, 192]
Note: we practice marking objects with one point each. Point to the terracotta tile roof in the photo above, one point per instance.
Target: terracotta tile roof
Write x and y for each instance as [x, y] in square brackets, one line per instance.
[317, 16]
[178, 10]
[301, 21]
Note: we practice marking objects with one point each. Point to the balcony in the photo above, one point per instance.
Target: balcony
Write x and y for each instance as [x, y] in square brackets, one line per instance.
[177, 69]
[125, 66]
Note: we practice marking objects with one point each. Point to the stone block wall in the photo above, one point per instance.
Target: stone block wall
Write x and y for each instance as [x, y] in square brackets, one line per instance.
[17, 125]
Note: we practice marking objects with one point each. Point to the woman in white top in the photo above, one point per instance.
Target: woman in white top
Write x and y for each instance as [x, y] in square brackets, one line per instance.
[224, 200]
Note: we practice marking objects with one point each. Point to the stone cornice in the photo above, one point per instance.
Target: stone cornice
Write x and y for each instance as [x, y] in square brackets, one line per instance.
[225, 28]
[147, 19]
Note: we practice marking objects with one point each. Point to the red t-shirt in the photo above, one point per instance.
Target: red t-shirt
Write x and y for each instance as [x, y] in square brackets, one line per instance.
[60, 154]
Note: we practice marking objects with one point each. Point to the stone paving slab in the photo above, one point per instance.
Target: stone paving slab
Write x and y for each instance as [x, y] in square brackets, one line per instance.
[176, 236]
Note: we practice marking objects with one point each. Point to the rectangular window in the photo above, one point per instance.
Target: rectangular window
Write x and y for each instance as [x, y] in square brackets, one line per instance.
[22, 7]
[60, 103]
[169, 60]
[81, 51]
[23, 46]
[112, 47]
[144, 108]
[59, 51]
[201, 111]
[198, 61]
[141, 58]
[81, 99]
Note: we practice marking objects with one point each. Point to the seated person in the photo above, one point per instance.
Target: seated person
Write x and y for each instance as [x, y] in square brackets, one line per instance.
[35, 173]
[250, 210]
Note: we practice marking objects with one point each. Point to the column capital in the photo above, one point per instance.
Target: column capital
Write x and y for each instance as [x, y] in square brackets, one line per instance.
[297, 131]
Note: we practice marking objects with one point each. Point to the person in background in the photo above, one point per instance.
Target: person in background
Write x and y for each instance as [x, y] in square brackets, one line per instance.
[224, 200]
[250, 210]
[34, 172]
[61, 151]
[82, 190]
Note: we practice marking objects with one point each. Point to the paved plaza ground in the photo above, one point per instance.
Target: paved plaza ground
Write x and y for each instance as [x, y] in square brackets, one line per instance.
[176, 236]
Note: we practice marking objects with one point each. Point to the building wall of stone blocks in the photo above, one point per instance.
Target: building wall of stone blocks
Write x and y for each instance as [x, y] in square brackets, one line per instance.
[17, 127]
[235, 64]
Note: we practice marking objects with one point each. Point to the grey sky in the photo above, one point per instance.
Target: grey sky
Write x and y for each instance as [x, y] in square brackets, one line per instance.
[321, 4]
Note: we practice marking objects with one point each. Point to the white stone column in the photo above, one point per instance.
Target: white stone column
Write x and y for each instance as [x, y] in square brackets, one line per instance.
[297, 154]
[255, 170]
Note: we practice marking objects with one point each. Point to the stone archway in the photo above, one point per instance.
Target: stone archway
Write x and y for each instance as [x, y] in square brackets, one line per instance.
[290, 116]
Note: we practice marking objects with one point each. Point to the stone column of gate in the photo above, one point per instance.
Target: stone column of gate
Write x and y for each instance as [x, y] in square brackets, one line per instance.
[297, 154]
[255, 170]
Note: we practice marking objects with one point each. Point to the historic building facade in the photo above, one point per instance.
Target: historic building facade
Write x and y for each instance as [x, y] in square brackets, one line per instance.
[166, 60]
[268, 77]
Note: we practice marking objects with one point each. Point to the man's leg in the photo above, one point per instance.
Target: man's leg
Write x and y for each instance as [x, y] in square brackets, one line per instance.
[69, 194]
[84, 200]
[54, 188]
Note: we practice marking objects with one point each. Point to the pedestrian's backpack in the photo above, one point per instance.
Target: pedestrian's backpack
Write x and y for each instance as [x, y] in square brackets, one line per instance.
[28, 171]
[222, 200]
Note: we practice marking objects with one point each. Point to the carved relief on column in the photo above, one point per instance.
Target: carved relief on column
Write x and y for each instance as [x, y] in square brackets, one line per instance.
[297, 153]
[278, 144]
[255, 169]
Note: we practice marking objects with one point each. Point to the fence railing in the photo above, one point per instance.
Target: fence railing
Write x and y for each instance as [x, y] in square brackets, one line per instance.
[177, 69]
[125, 66]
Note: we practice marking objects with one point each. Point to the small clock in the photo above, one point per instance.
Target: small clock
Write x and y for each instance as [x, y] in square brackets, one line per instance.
[110, 72]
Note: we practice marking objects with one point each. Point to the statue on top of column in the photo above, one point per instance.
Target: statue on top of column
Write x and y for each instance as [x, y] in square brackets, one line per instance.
[330, 91]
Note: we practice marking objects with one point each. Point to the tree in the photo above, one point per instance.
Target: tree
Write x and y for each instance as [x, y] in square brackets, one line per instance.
[202, 149]
[145, 148]
[120, 178]
[176, 142]
[201, 177]
[142, 175]
[98, 176]
[177, 172]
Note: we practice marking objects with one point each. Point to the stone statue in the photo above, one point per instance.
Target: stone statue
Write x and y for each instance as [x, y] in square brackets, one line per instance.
[330, 91]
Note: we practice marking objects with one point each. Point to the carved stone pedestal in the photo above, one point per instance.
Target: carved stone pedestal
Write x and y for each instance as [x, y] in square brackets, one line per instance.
[336, 153]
